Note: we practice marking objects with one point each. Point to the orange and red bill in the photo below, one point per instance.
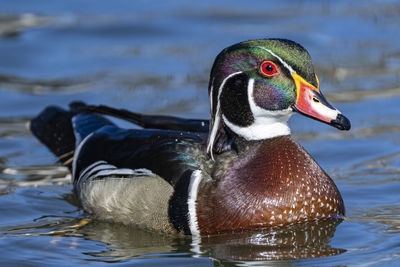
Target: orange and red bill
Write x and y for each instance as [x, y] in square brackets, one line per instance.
[312, 103]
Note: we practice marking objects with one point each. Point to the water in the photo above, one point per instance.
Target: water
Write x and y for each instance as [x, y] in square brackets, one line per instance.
[155, 57]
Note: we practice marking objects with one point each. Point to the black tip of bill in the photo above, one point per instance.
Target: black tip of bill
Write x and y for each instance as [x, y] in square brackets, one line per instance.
[341, 122]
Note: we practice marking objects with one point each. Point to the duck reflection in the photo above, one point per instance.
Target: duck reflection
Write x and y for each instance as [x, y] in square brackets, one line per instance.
[308, 240]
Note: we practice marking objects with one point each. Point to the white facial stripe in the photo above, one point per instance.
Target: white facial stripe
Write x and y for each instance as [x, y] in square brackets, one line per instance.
[267, 123]
[279, 58]
[211, 93]
[213, 133]
[193, 189]
[217, 116]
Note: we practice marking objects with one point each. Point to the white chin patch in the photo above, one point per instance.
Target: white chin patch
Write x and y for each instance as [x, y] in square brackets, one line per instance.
[267, 124]
[260, 129]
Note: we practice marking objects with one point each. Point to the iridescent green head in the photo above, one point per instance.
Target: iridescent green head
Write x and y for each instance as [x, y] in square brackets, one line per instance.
[256, 85]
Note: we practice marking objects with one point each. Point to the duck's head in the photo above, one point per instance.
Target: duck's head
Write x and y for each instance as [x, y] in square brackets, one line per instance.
[255, 86]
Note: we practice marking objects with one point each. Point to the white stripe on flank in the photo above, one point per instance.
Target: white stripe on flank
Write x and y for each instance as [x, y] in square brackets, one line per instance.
[98, 165]
[92, 166]
[279, 58]
[217, 116]
[102, 168]
[267, 123]
[195, 180]
[98, 168]
[116, 172]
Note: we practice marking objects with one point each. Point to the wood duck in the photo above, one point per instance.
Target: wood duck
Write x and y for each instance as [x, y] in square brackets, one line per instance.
[239, 171]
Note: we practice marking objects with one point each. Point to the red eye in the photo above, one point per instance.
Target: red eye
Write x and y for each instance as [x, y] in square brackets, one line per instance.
[269, 69]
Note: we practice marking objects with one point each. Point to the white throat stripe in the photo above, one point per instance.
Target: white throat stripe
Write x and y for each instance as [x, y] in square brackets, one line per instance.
[267, 123]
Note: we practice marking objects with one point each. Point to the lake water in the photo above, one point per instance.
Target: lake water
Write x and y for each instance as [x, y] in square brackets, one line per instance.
[155, 57]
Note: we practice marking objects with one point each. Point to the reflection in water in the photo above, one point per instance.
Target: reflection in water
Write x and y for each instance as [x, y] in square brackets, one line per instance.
[127, 242]
[309, 240]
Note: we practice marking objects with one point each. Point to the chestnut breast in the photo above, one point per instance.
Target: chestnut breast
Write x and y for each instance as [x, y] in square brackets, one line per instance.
[275, 183]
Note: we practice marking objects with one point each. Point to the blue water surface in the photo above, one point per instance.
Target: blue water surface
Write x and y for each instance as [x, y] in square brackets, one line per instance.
[155, 57]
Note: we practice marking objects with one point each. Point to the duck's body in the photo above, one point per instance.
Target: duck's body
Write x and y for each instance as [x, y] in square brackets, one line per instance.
[246, 173]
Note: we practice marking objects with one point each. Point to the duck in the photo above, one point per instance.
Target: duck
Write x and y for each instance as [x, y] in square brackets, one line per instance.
[240, 170]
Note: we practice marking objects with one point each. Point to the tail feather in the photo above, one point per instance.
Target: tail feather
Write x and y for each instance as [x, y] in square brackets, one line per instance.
[61, 130]
[53, 127]
[151, 121]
